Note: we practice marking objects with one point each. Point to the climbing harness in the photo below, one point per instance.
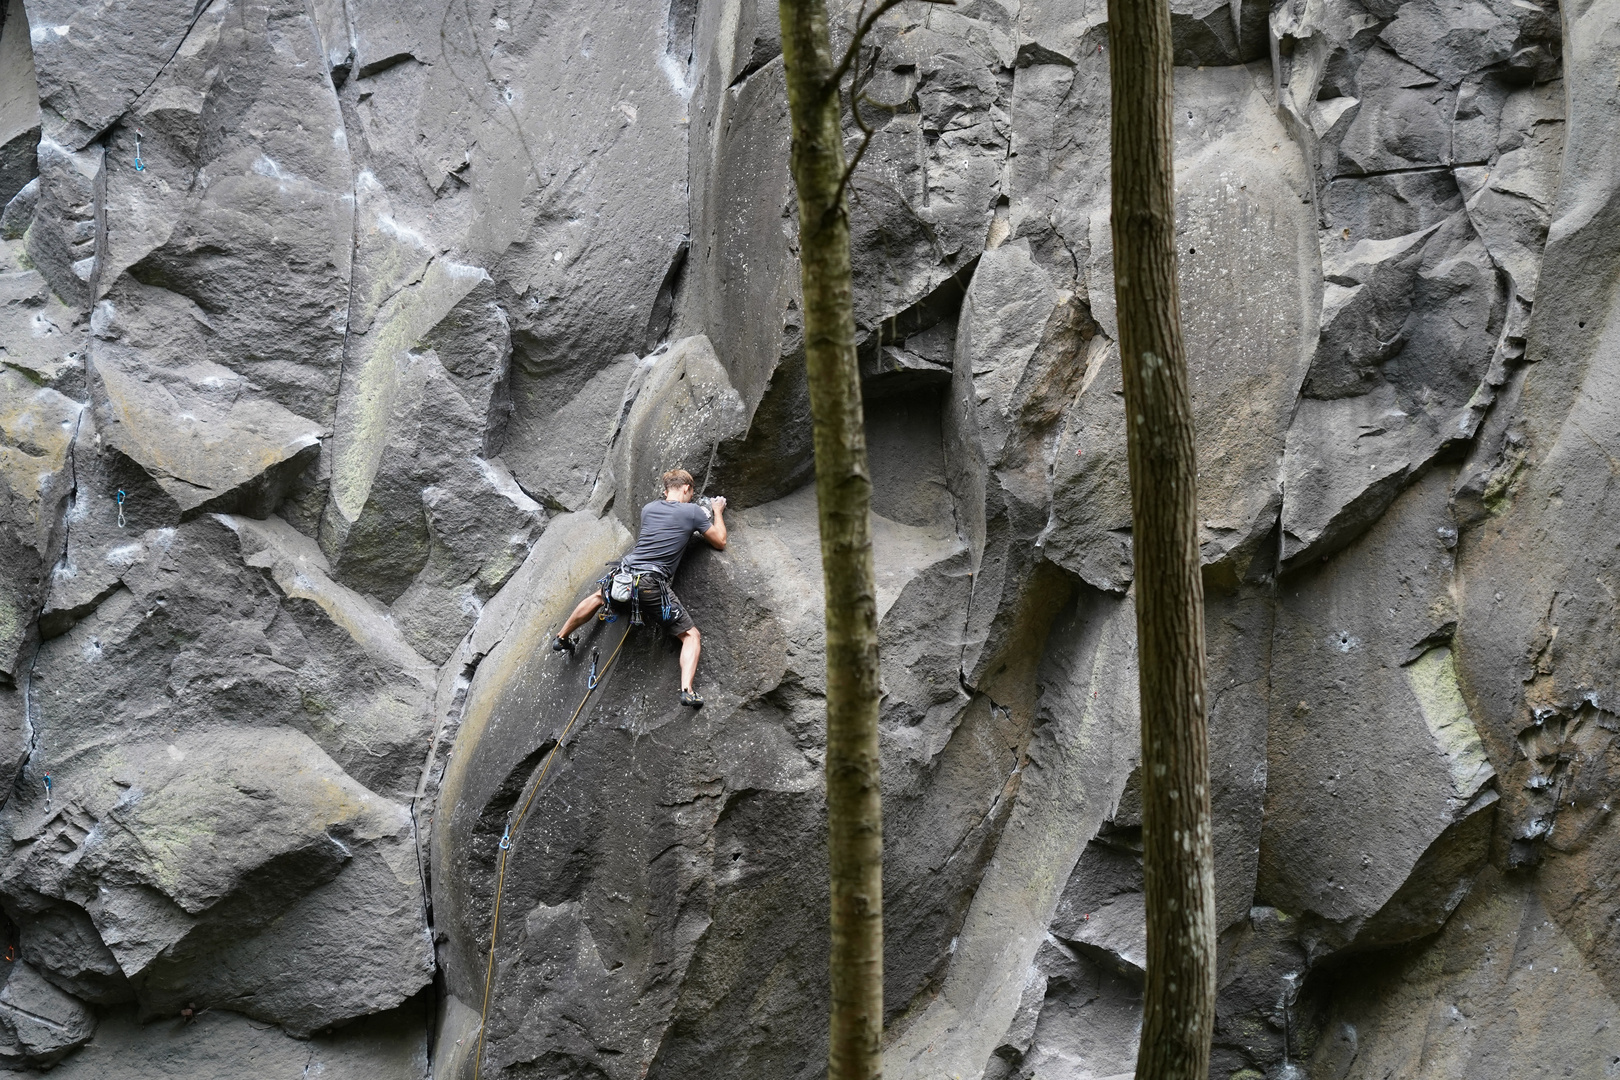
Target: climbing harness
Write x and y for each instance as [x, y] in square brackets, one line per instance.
[623, 585]
[515, 822]
[140, 166]
[121, 498]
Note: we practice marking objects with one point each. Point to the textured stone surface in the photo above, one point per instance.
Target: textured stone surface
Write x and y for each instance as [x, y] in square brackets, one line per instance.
[38, 1022]
[340, 344]
[37, 428]
[1366, 704]
[19, 108]
[390, 1046]
[207, 439]
[1503, 991]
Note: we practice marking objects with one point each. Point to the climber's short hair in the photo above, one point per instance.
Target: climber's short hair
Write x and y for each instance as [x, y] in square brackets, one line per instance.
[676, 478]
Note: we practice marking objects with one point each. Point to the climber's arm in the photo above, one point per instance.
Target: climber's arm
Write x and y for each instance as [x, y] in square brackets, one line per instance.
[716, 534]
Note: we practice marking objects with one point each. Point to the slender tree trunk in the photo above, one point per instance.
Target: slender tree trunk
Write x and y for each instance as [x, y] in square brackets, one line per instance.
[1178, 860]
[844, 500]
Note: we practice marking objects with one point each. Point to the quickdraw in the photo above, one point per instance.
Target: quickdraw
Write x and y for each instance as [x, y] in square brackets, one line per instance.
[140, 166]
[121, 497]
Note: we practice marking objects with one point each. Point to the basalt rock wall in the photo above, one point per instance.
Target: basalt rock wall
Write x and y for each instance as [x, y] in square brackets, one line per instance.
[341, 341]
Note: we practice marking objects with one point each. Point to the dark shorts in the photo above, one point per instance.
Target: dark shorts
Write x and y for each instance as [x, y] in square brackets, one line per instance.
[654, 597]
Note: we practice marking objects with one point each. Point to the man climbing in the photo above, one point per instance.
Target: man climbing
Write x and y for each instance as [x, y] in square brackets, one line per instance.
[667, 526]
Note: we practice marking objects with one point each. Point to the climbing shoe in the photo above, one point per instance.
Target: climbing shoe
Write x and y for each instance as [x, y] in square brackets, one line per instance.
[691, 700]
[562, 644]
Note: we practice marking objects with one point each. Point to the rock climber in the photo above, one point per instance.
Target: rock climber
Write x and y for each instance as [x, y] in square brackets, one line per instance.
[667, 526]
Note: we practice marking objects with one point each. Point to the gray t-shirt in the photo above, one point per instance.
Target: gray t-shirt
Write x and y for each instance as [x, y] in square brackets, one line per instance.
[666, 529]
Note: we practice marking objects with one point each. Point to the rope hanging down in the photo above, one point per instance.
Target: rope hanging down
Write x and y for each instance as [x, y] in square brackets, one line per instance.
[514, 823]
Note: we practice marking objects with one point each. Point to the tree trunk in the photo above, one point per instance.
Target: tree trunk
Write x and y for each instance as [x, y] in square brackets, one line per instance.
[1178, 860]
[844, 499]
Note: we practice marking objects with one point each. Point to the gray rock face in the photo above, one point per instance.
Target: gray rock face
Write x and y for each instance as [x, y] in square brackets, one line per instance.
[196, 428]
[38, 426]
[1361, 700]
[340, 344]
[39, 1023]
[389, 1046]
[19, 113]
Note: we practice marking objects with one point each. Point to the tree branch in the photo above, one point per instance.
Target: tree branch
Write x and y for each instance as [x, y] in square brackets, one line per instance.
[857, 94]
[867, 131]
[863, 26]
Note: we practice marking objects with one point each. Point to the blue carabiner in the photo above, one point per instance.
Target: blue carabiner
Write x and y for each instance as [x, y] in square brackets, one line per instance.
[140, 166]
[590, 682]
[506, 837]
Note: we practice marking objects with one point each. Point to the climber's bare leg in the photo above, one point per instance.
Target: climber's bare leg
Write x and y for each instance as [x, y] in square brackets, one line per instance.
[583, 612]
[691, 646]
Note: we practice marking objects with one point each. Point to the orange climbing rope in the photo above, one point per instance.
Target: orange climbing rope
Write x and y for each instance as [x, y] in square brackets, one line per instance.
[507, 841]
